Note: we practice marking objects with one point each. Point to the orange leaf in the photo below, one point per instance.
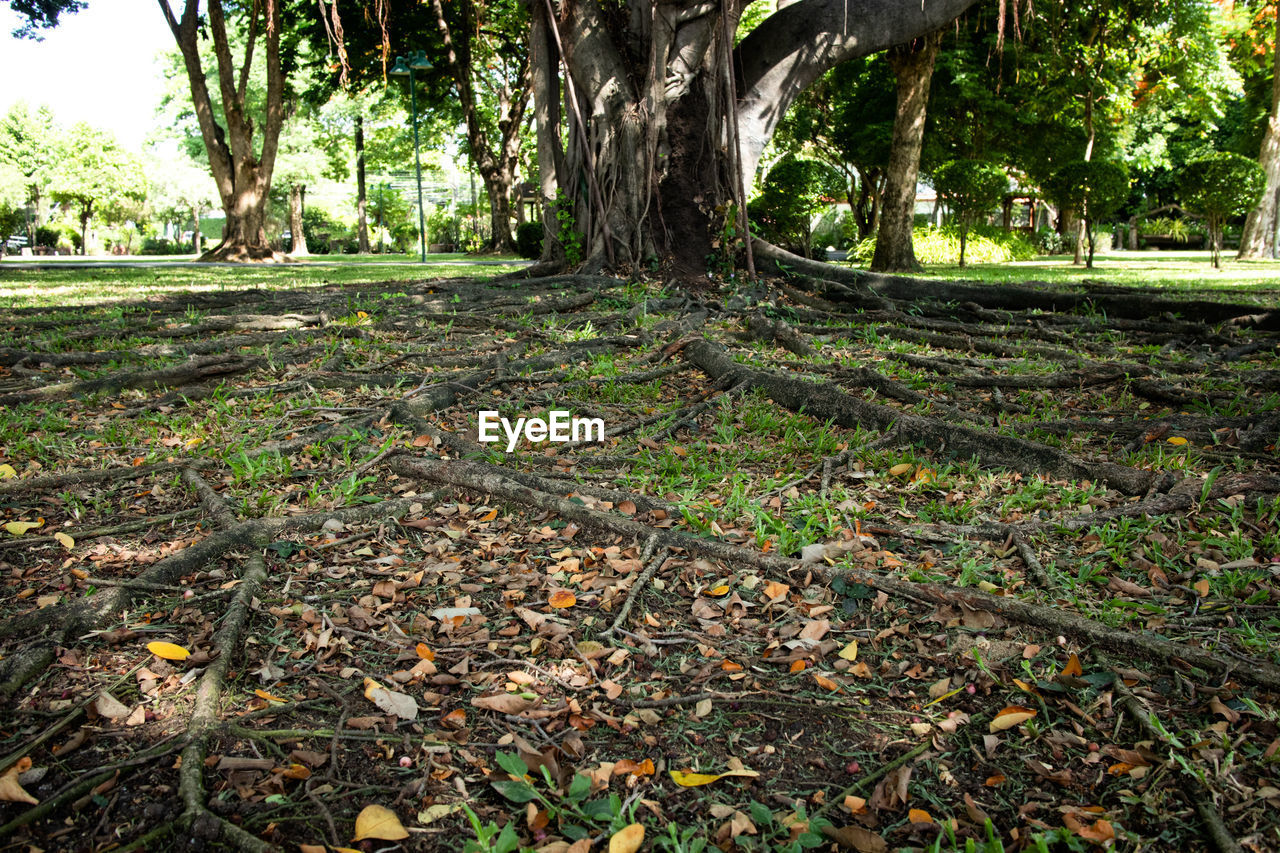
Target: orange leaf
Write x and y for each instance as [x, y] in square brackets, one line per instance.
[774, 590]
[562, 598]
[424, 652]
[1073, 666]
[919, 816]
[797, 666]
[861, 669]
[262, 694]
[719, 591]
[455, 719]
[490, 515]
[857, 805]
[992, 781]
[1202, 588]
[1014, 715]
[730, 666]
[379, 822]
[825, 683]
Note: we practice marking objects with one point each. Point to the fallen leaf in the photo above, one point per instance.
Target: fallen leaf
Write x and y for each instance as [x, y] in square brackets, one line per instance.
[919, 816]
[1014, 715]
[825, 683]
[433, 813]
[504, 703]
[797, 666]
[1201, 587]
[398, 704]
[849, 652]
[17, 528]
[900, 469]
[455, 719]
[1073, 666]
[7, 472]
[562, 598]
[627, 840]
[168, 651]
[774, 590]
[65, 541]
[856, 838]
[857, 805]
[424, 652]
[10, 790]
[719, 591]
[110, 707]
[262, 694]
[1176, 440]
[379, 822]
[689, 779]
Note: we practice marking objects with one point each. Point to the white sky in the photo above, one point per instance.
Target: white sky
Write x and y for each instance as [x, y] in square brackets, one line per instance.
[98, 65]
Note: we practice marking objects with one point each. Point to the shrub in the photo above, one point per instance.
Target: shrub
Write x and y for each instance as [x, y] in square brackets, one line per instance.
[1094, 188]
[320, 228]
[163, 246]
[1049, 242]
[972, 189]
[793, 191]
[1219, 187]
[985, 245]
[529, 240]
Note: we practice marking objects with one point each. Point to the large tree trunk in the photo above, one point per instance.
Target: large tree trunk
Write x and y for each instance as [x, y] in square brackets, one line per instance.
[297, 199]
[1259, 238]
[243, 175]
[362, 203]
[912, 65]
[646, 166]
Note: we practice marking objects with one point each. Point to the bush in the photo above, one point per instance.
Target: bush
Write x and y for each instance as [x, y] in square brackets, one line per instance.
[529, 240]
[320, 229]
[47, 236]
[162, 246]
[972, 189]
[1049, 242]
[985, 245]
[1219, 187]
[794, 190]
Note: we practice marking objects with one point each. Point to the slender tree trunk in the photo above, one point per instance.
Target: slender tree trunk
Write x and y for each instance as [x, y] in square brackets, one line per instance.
[912, 65]
[85, 214]
[297, 199]
[1259, 238]
[195, 233]
[362, 203]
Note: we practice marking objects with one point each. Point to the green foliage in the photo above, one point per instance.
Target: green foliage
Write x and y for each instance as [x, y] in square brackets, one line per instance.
[576, 814]
[529, 240]
[1220, 186]
[321, 230]
[101, 179]
[1093, 188]
[13, 197]
[973, 189]
[568, 234]
[984, 245]
[794, 190]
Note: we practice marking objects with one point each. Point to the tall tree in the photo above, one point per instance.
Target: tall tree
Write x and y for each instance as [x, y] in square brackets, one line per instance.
[241, 146]
[1259, 238]
[102, 179]
[665, 116]
[912, 65]
[31, 143]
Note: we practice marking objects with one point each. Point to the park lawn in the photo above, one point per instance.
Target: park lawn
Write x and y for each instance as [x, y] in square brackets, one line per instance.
[725, 583]
[69, 282]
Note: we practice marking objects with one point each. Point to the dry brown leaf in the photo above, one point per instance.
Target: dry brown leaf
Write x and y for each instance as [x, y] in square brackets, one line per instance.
[10, 790]
[110, 707]
[1073, 666]
[380, 823]
[856, 838]
[504, 703]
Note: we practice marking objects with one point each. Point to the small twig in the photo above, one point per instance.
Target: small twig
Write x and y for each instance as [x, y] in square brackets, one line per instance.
[653, 562]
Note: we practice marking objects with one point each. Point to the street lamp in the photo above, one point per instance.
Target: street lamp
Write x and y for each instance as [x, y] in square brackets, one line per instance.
[404, 68]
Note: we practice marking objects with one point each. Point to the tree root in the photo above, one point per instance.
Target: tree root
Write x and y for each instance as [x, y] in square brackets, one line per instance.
[652, 563]
[489, 479]
[151, 523]
[1214, 825]
[195, 370]
[824, 401]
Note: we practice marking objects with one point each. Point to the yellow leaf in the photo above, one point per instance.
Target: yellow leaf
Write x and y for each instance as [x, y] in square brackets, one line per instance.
[194, 442]
[627, 840]
[919, 816]
[850, 652]
[687, 779]
[944, 696]
[379, 822]
[900, 469]
[7, 472]
[65, 540]
[168, 651]
[10, 790]
[719, 591]
[562, 598]
[440, 810]
[262, 694]
[1073, 666]
[490, 515]
[17, 528]
[1014, 715]
[1176, 440]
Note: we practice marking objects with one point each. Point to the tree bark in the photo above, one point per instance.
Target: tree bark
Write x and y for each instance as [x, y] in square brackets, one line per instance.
[495, 161]
[297, 200]
[362, 203]
[86, 213]
[195, 233]
[242, 175]
[648, 173]
[912, 65]
[1259, 238]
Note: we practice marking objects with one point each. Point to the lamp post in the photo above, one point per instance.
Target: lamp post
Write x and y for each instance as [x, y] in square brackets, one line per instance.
[405, 68]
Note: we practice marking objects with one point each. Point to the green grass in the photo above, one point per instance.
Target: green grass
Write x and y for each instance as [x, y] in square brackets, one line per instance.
[1175, 271]
[73, 282]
